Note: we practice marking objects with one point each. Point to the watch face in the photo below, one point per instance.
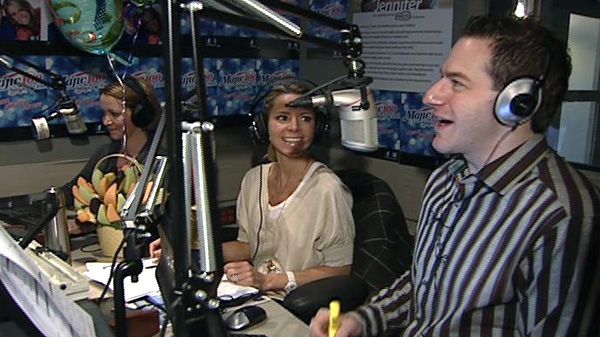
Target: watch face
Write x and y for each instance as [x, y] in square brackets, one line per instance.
[290, 286]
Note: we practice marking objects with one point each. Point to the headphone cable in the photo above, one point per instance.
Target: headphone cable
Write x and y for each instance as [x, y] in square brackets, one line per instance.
[260, 209]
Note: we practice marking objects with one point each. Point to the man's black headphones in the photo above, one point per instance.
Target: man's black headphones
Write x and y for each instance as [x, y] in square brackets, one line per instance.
[520, 99]
[259, 126]
[142, 115]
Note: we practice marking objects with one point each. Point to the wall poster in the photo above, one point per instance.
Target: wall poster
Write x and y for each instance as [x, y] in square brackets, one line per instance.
[404, 44]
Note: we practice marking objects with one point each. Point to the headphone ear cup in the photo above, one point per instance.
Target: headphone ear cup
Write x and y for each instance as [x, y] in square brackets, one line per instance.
[321, 125]
[518, 101]
[143, 113]
[258, 128]
[140, 116]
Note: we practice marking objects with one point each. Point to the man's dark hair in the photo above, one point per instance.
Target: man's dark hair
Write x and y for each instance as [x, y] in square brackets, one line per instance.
[520, 47]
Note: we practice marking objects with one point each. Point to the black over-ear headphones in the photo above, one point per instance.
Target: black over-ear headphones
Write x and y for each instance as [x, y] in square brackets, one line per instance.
[519, 100]
[143, 113]
[259, 126]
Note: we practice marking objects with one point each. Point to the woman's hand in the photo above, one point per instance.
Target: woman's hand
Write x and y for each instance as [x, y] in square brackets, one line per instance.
[243, 273]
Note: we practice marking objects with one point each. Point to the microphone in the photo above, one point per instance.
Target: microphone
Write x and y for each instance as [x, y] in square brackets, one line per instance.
[66, 106]
[72, 115]
[68, 109]
[358, 115]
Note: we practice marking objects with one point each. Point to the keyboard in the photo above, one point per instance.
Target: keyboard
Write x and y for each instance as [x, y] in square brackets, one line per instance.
[20, 214]
[26, 215]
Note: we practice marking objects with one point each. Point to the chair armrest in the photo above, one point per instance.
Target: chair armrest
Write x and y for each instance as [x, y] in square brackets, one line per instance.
[305, 301]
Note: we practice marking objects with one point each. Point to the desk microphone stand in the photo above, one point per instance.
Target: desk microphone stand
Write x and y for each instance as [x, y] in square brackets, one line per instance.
[135, 227]
[50, 211]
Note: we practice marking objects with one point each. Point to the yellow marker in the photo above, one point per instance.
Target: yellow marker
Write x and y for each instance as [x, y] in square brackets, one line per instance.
[334, 315]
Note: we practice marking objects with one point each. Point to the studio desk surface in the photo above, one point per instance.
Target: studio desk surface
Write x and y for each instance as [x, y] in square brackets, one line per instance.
[145, 323]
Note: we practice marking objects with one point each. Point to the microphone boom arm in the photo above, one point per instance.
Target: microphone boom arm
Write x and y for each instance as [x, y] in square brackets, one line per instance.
[58, 82]
[349, 45]
[66, 106]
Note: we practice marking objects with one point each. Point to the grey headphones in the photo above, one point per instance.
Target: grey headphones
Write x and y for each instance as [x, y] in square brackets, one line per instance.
[520, 99]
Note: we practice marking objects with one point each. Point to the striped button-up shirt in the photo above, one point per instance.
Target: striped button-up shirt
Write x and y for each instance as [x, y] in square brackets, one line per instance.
[510, 251]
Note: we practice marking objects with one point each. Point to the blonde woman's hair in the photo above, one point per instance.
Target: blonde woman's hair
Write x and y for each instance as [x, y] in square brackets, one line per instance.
[289, 87]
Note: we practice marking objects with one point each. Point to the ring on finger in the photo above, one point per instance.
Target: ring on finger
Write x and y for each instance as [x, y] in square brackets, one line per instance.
[234, 278]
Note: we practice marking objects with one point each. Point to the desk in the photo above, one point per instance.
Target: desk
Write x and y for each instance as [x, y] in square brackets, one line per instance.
[84, 250]
[141, 323]
[279, 321]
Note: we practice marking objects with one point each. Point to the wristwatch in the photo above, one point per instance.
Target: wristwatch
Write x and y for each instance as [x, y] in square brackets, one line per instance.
[291, 284]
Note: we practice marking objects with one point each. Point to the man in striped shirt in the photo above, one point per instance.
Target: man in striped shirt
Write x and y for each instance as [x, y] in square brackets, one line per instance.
[508, 235]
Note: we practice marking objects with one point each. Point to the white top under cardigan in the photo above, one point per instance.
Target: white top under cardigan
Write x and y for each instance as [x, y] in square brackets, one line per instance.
[313, 227]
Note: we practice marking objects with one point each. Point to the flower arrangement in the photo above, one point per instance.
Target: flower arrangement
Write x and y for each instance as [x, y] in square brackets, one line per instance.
[100, 201]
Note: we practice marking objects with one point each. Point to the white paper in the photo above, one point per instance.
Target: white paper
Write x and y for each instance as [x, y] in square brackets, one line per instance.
[229, 290]
[49, 309]
[147, 284]
[404, 49]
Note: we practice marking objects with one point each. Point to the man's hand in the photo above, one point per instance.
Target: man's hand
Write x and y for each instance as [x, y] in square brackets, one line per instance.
[349, 326]
[154, 248]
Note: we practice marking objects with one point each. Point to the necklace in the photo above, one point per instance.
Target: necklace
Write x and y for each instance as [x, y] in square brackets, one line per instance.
[271, 264]
[271, 267]
[276, 197]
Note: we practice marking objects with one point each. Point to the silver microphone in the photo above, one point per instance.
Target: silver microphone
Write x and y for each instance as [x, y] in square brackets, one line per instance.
[358, 125]
[71, 114]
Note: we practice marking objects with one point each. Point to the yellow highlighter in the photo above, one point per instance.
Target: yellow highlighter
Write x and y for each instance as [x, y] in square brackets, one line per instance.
[334, 316]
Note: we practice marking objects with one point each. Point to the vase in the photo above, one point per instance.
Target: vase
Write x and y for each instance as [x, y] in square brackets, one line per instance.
[109, 239]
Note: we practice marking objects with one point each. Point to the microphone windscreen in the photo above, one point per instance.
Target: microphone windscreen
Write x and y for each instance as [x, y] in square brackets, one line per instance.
[75, 124]
[359, 133]
[359, 127]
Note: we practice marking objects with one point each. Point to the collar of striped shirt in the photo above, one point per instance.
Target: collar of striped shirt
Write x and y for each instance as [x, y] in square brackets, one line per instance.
[507, 170]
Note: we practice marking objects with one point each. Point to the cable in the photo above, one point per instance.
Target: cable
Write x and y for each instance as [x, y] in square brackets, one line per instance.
[163, 329]
[260, 209]
[500, 140]
[113, 262]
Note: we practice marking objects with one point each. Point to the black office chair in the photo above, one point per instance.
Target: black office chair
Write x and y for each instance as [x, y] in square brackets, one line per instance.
[382, 249]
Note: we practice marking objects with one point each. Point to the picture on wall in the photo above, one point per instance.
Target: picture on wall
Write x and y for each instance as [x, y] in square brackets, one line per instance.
[143, 24]
[23, 20]
[405, 43]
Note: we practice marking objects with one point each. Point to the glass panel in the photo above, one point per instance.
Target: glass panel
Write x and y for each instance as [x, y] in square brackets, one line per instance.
[584, 34]
[576, 137]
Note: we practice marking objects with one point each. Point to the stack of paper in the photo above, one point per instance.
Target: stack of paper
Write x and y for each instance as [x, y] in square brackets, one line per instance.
[229, 290]
[146, 285]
